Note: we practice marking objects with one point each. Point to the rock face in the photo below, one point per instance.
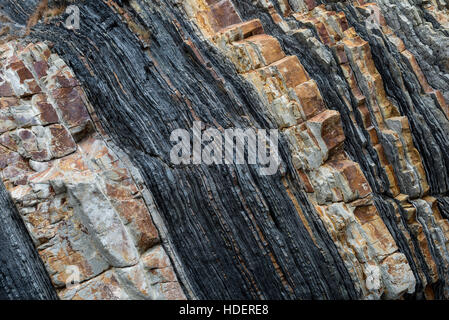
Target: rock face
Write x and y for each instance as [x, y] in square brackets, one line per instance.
[23, 275]
[358, 91]
[85, 214]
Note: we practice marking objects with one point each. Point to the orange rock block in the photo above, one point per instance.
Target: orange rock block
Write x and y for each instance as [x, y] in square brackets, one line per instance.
[292, 71]
[354, 176]
[268, 47]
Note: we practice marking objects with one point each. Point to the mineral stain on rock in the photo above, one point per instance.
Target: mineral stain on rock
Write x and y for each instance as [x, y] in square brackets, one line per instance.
[358, 91]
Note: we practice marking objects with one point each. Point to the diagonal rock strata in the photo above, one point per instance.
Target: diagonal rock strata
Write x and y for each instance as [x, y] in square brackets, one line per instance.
[358, 209]
[78, 201]
[331, 28]
[313, 141]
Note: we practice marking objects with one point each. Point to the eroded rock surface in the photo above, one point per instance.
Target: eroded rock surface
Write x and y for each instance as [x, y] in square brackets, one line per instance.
[81, 206]
[358, 91]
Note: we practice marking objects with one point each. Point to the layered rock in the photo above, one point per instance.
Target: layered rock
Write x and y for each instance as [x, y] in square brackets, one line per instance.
[81, 206]
[358, 91]
[335, 183]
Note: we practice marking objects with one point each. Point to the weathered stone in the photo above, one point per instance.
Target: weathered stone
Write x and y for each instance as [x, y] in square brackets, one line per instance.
[73, 110]
[47, 113]
[134, 213]
[358, 91]
[78, 201]
[311, 101]
[103, 287]
[104, 224]
[161, 274]
[61, 143]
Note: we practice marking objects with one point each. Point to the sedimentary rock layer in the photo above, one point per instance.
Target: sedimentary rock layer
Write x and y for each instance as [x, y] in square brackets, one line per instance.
[22, 275]
[80, 204]
[358, 91]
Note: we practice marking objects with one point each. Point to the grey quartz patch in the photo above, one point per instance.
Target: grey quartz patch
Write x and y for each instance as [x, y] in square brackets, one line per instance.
[103, 222]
